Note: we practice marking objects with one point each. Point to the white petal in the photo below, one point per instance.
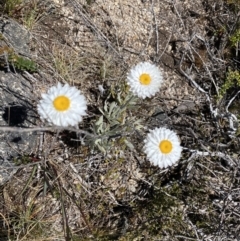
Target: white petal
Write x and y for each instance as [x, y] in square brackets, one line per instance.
[143, 91]
[152, 151]
[69, 117]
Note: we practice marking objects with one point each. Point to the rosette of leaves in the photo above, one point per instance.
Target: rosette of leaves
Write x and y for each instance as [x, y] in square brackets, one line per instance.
[115, 122]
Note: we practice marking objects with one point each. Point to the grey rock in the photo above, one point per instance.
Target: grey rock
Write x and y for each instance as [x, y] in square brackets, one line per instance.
[16, 101]
[16, 35]
[185, 106]
[16, 110]
[159, 115]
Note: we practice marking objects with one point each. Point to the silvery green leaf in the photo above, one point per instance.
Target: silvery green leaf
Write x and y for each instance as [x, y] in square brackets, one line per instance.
[112, 106]
[97, 141]
[119, 98]
[138, 125]
[101, 111]
[100, 121]
[129, 144]
[133, 102]
[101, 148]
[114, 122]
[122, 109]
[116, 112]
[99, 124]
[105, 107]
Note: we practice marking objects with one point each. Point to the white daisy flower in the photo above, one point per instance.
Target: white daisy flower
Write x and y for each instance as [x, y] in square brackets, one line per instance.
[62, 105]
[162, 147]
[144, 80]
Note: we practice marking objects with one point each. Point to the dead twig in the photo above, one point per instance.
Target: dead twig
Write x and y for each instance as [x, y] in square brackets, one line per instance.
[41, 129]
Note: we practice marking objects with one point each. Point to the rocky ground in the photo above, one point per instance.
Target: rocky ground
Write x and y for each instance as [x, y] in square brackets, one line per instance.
[64, 185]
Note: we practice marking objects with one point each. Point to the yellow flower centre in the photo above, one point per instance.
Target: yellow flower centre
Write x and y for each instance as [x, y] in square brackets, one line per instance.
[165, 146]
[61, 103]
[145, 79]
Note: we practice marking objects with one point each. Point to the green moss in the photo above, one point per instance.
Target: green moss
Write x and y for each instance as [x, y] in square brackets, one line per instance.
[10, 6]
[23, 64]
[235, 38]
[232, 79]
[18, 62]
[162, 212]
[236, 2]
[22, 160]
